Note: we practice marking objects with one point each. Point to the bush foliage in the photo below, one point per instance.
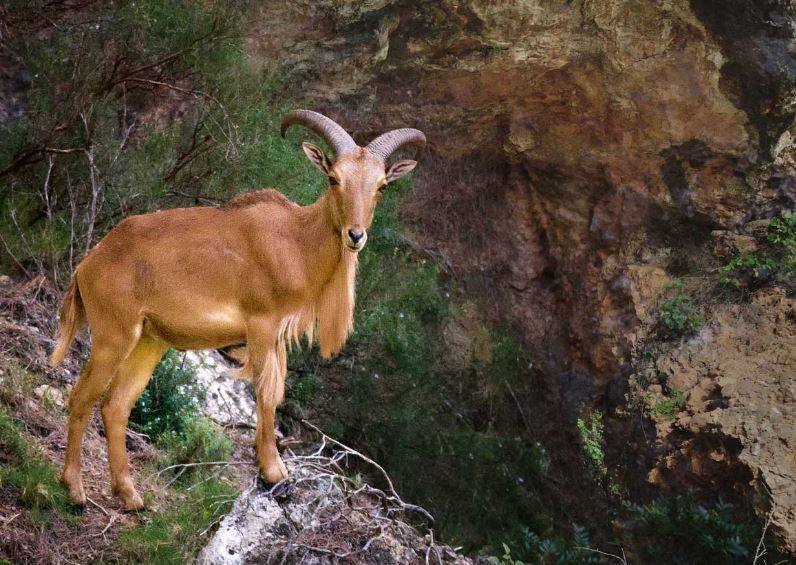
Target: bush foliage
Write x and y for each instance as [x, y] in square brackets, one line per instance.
[669, 405]
[677, 529]
[773, 261]
[591, 437]
[170, 401]
[678, 313]
[171, 536]
[25, 470]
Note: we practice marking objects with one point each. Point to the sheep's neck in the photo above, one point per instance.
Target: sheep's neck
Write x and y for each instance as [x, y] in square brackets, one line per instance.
[323, 249]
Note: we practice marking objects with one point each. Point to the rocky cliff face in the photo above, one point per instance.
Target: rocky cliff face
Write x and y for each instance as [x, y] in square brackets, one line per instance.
[571, 141]
[737, 427]
[581, 154]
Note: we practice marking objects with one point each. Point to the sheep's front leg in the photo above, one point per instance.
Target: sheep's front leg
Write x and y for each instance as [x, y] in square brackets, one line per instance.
[268, 363]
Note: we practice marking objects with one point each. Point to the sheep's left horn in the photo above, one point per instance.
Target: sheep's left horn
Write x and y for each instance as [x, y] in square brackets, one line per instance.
[332, 133]
[388, 143]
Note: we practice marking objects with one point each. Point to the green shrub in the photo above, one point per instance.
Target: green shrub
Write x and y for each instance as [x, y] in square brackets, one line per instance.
[668, 406]
[304, 388]
[400, 299]
[402, 404]
[774, 261]
[591, 437]
[170, 401]
[172, 535]
[678, 313]
[88, 85]
[17, 384]
[748, 270]
[511, 360]
[534, 548]
[782, 235]
[677, 529]
[199, 440]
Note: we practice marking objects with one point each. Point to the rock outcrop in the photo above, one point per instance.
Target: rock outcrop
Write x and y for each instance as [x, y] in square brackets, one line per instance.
[228, 400]
[738, 425]
[322, 516]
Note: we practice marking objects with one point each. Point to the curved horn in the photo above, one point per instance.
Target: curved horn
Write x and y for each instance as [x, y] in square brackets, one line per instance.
[388, 143]
[337, 138]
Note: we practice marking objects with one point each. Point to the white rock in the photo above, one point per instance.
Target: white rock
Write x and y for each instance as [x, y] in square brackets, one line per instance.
[51, 394]
[248, 525]
[228, 401]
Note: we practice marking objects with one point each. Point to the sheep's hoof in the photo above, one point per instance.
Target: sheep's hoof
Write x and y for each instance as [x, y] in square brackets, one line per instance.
[75, 487]
[280, 490]
[274, 471]
[131, 500]
[133, 503]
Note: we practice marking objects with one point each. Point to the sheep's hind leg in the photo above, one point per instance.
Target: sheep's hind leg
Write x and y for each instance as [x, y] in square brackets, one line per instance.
[128, 384]
[105, 357]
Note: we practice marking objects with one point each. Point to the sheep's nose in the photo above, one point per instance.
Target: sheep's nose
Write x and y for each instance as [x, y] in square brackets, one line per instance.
[355, 235]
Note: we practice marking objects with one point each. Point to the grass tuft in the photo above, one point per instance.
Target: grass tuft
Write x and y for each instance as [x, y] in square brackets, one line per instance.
[171, 536]
[26, 470]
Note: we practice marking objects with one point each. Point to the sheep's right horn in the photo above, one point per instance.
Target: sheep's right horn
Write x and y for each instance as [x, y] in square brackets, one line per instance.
[337, 138]
[388, 143]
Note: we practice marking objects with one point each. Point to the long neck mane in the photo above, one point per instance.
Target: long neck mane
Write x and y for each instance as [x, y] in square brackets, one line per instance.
[328, 315]
[334, 307]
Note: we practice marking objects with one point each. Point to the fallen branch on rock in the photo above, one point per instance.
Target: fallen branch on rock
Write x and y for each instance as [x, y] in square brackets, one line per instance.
[323, 514]
[351, 451]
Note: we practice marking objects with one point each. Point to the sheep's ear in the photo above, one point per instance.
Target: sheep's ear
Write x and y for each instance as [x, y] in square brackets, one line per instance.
[400, 168]
[318, 158]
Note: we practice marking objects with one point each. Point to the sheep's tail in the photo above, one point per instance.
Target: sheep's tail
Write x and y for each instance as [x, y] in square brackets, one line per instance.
[73, 317]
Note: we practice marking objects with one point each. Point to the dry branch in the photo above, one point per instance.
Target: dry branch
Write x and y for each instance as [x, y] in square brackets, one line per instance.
[351, 451]
[330, 513]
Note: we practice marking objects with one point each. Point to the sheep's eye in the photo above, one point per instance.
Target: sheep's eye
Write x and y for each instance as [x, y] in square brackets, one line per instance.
[382, 187]
[333, 181]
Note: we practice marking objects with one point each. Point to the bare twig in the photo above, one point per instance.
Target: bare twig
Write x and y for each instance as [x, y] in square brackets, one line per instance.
[14, 257]
[432, 545]
[72, 219]
[171, 56]
[47, 198]
[176, 477]
[352, 451]
[24, 240]
[760, 551]
[66, 151]
[621, 559]
[208, 199]
[232, 146]
[519, 408]
[98, 506]
[107, 526]
[199, 464]
[96, 193]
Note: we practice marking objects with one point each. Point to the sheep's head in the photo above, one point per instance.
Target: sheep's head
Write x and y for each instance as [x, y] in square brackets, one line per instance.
[357, 175]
